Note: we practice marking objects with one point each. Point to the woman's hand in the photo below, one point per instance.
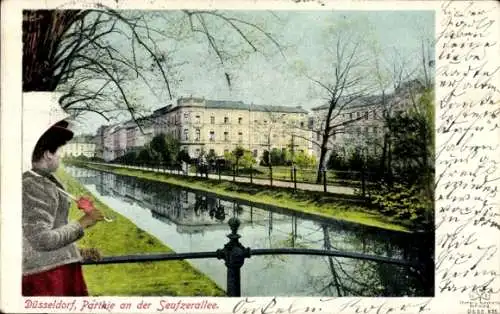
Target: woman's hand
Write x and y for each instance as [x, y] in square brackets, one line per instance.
[85, 204]
[90, 254]
[92, 214]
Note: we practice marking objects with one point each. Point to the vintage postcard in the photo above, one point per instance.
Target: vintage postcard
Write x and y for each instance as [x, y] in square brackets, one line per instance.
[249, 157]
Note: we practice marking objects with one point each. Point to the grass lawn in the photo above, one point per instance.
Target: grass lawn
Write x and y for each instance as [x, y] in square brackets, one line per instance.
[122, 237]
[319, 203]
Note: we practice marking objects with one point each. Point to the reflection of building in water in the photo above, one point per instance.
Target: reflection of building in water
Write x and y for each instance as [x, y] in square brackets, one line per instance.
[188, 210]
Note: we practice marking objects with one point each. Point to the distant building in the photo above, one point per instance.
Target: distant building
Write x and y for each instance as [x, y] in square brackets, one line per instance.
[215, 126]
[361, 122]
[109, 147]
[83, 145]
[99, 142]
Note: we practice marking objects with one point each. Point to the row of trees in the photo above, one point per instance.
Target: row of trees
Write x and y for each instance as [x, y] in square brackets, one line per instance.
[166, 150]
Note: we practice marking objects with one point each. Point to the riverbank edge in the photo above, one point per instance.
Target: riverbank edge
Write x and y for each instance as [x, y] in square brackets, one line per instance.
[363, 217]
[123, 237]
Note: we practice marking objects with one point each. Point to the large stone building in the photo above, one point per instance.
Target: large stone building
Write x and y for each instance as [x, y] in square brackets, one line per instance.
[212, 126]
[203, 125]
[361, 122]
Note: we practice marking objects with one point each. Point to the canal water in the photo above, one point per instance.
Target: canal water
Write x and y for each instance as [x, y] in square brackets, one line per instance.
[191, 221]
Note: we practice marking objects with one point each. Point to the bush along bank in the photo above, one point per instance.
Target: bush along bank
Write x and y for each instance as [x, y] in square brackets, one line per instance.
[348, 208]
[122, 237]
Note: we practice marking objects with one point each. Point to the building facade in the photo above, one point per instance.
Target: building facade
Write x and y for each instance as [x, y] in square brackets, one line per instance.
[360, 123]
[79, 146]
[212, 126]
[217, 127]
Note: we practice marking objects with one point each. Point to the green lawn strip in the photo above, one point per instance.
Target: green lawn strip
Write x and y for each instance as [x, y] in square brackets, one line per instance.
[317, 203]
[122, 237]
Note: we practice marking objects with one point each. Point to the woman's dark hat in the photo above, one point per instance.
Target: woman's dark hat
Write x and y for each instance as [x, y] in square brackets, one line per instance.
[59, 132]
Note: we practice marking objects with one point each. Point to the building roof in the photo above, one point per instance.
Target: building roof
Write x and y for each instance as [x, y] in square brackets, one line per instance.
[365, 101]
[162, 110]
[239, 105]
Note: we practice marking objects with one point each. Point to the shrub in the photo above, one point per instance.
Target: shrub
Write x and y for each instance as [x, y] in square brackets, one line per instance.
[402, 202]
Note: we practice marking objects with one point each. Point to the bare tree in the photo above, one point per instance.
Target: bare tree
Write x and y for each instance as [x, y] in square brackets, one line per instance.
[96, 57]
[344, 86]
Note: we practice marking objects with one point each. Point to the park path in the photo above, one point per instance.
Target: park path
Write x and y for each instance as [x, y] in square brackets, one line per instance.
[280, 183]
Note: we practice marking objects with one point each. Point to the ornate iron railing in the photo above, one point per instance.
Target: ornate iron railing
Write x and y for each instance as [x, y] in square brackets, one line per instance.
[234, 254]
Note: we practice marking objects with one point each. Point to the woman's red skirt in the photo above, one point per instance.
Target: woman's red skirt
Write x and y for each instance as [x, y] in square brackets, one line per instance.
[65, 280]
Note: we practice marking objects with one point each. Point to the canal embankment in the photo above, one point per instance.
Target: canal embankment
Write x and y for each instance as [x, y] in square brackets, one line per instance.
[123, 237]
[350, 208]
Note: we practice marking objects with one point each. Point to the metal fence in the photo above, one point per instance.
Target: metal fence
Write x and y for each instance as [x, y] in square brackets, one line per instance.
[361, 180]
[234, 254]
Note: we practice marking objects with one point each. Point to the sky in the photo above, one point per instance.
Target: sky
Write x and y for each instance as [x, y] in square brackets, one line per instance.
[275, 78]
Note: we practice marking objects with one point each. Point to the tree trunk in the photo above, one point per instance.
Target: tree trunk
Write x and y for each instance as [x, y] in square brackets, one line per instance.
[383, 160]
[389, 163]
[321, 163]
[42, 32]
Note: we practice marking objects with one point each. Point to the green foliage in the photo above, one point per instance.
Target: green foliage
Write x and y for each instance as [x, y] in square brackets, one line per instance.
[403, 202]
[128, 158]
[211, 156]
[304, 160]
[356, 161]
[264, 160]
[336, 161]
[144, 156]
[412, 136]
[238, 152]
[247, 160]
[240, 157]
[230, 158]
[165, 148]
[183, 156]
[278, 157]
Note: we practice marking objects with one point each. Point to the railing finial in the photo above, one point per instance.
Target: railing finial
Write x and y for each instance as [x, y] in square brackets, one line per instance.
[234, 224]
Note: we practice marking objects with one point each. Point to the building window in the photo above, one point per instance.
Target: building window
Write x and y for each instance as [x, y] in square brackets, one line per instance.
[240, 119]
[366, 130]
[186, 134]
[186, 116]
[375, 129]
[212, 120]
[302, 124]
[255, 121]
[197, 119]
[366, 115]
[350, 116]
[212, 152]
[255, 153]
[212, 136]
[197, 135]
[226, 136]
[358, 114]
[265, 121]
[226, 120]
[240, 137]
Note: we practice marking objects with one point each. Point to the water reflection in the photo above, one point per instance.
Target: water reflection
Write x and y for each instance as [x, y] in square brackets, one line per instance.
[188, 221]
